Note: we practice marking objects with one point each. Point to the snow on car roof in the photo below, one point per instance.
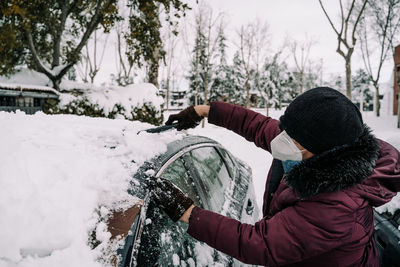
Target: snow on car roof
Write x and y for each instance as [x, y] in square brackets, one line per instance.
[60, 177]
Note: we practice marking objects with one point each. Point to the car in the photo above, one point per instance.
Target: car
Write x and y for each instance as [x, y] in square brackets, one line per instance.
[215, 180]
[387, 237]
[212, 177]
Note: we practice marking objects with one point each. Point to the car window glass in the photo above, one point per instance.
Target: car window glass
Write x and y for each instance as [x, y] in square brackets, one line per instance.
[213, 175]
[228, 161]
[165, 243]
[179, 176]
[398, 220]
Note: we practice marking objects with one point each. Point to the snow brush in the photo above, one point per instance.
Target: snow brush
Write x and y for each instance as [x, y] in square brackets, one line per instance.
[160, 128]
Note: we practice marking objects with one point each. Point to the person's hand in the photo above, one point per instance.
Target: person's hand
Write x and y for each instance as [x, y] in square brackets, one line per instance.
[187, 118]
[172, 200]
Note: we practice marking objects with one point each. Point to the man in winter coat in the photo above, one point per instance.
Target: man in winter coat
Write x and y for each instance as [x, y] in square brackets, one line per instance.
[327, 174]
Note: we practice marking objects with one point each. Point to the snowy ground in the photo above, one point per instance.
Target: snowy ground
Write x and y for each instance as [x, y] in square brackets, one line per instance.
[61, 175]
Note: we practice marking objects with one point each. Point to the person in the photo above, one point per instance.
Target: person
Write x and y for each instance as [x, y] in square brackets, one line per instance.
[328, 173]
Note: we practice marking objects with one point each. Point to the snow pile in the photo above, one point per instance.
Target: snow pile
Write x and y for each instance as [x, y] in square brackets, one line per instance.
[60, 176]
[107, 96]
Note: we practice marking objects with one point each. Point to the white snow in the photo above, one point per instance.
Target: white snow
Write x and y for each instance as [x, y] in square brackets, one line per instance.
[60, 177]
[107, 96]
[27, 77]
[175, 259]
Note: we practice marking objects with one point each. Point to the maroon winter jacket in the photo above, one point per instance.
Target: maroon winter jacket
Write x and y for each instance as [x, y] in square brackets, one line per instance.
[321, 212]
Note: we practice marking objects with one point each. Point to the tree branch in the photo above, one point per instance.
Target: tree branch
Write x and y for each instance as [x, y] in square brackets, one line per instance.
[357, 21]
[348, 19]
[39, 65]
[58, 34]
[91, 27]
[329, 19]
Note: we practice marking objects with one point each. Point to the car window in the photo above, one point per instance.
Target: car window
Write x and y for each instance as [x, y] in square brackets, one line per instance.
[213, 174]
[163, 242]
[179, 176]
[397, 216]
[228, 161]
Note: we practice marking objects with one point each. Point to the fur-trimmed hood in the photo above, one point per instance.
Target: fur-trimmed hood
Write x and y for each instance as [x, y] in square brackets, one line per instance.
[336, 169]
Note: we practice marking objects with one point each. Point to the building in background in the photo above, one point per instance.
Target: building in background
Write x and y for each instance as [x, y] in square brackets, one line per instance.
[27, 98]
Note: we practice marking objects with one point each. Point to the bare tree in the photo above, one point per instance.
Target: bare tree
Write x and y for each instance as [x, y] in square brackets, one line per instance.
[187, 45]
[210, 48]
[261, 42]
[252, 48]
[170, 41]
[346, 35]
[382, 21]
[246, 48]
[90, 64]
[123, 64]
[301, 56]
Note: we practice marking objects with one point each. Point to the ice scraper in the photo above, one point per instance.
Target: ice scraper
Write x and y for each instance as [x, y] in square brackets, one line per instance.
[160, 129]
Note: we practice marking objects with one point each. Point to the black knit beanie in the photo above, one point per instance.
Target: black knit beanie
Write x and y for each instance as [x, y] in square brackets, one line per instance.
[321, 119]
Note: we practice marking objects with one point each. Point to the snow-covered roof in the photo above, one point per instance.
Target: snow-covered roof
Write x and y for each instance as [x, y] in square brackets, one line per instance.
[60, 178]
[27, 87]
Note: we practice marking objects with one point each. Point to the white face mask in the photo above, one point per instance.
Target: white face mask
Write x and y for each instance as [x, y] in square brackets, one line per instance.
[283, 148]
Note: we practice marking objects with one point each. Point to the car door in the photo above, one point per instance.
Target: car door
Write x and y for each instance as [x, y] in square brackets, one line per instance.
[226, 187]
[164, 243]
[227, 183]
[387, 237]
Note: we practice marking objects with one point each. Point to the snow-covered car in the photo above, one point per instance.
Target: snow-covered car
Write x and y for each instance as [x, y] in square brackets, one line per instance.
[212, 177]
[65, 179]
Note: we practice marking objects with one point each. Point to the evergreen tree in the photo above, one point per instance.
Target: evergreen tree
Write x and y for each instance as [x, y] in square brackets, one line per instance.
[223, 86]
[237, 93]
[361, 85]
[277, 82]
[196, 83]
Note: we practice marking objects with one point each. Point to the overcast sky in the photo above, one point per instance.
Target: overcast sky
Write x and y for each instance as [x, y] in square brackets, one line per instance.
[293, 18]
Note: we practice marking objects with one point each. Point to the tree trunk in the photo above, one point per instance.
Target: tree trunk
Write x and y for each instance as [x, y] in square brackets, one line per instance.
[348, 77]
[301, 81]
[167, 96]
[205, 102]
[377, 102]
[247, 94]
[205, 94]
[153, 68]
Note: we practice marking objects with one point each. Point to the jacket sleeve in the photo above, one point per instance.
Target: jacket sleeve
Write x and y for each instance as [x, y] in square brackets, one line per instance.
[253, 126]
[288, 237]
